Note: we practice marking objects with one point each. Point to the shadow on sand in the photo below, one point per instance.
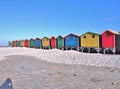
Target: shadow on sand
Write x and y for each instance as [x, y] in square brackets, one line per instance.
[7, 84]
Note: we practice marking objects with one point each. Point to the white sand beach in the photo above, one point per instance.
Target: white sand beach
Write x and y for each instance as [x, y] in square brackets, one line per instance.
[66, 57]
[30, 68]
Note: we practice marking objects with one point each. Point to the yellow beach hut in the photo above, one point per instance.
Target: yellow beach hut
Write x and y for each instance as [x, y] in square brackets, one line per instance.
[45, 43]
[22, 43]
[90, 41]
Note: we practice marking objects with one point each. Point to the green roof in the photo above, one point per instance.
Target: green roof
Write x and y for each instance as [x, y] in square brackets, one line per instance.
[45, 37]
[90, 33]
[60, 36]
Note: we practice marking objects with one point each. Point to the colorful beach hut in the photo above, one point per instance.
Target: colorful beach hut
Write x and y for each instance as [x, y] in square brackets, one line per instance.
[38, 43]
[111, 40]
[32, 43]
[60, 42]
[53, 42]
[45, 43]
[13, 43]
[26, 43]
[72, 41]
[17, 43]
[10, 44]
[91, 41]
[22, 43]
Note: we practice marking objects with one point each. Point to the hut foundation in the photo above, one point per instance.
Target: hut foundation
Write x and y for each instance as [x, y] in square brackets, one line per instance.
[78, 49]
[82, 49]
[98, 50]
[88, 50]
[112, 49]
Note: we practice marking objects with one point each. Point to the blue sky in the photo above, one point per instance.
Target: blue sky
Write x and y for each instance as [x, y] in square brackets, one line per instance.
[21, 19]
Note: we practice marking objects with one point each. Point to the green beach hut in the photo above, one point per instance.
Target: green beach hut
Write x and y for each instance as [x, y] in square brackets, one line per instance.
[60, 42]
[17, 43]
[32, 43]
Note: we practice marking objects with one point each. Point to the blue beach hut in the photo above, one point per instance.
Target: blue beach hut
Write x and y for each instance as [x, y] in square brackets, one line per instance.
[38, 43]
[72, 41]
[10, 44]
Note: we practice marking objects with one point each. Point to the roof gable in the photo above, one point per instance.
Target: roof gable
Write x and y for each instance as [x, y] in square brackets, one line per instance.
[53, 37]
[26, 40]
[112, 31]
[90, 33]
[31, 39]
[60, 36]
[45, 38]
[37, 39]
[71, 35]
[22, 40]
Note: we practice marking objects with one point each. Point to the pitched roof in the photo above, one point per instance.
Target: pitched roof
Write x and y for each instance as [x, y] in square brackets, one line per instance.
[25, 39]
[90, 33]
[45, 37]
[31, 39]
[53, 37]
[21, 40]
[37, 39]
[72, 35]
[112, 31]
[60, 36]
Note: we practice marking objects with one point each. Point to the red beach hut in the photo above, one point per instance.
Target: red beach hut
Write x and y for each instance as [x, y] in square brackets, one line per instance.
[26, 43]
[53, 42]
[111, 40]
[13, 43]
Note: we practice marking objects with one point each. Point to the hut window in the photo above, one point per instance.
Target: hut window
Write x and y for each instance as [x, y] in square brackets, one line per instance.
[93, 36]
[84, 37]
[107, 35]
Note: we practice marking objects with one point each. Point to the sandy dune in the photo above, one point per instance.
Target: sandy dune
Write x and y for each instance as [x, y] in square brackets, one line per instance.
[66, 57]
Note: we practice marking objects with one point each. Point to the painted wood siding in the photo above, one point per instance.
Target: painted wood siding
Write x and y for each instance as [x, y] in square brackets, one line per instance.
[38, 43]
[89, 41]
[26, 44]
[108, 42]
[10, 44]
[18, 43]
[45, 42]
[53, 42]
[60, 41]
[117, 41]
[22, 43]
[71, 41]
[13, 43]
[32, 43]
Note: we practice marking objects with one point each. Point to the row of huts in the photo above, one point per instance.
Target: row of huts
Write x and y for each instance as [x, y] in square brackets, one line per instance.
[90, 41]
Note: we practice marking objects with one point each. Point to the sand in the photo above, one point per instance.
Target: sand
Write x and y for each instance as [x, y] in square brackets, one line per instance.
[28, 72]
[66, 57]
[56, 69]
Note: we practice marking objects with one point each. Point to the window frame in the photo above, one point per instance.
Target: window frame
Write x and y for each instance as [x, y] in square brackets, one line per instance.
[107, 34]
[93, 36]
[84, 37]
